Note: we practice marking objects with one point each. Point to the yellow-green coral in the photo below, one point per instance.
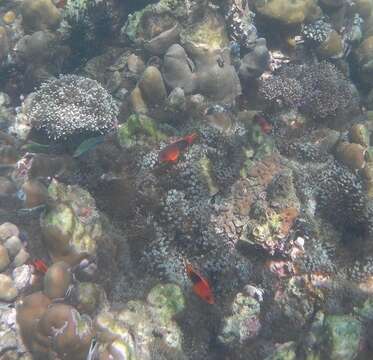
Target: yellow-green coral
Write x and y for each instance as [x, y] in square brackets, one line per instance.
[139, 129]
[210, 34]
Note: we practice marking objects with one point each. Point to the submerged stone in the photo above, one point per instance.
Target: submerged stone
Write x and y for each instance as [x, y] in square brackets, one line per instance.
[343, 334]
[139, 129]
[284, 351]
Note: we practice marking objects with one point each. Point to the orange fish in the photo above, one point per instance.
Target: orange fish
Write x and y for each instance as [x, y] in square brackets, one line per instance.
[191, 138]
[265, 126]
[201, 287]
[40, 266]
[171, 153]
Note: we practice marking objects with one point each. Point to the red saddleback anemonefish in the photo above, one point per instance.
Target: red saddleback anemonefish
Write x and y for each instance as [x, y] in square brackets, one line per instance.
[201, 287]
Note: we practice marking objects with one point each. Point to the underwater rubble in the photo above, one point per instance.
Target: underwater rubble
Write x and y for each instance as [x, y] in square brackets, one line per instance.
[186, 179]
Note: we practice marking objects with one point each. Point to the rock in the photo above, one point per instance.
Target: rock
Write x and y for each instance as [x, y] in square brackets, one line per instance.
[100, 67]
[168, 300]
[352, 155]
[90, 297]
[365, 312]
[29, 311]
[21, 126]
[37, 47]
[156, 26]
[4, 43]
[39, 15]
[70, 231]
[22, 277]
[359, 134]
[74, 342]
[364, 8]
[8, 335]
[4, 258]
[284, 351]
[8, 292]
[5, 101]
[313, 342]
[121, 349]
[333, 3]
[207, 174]
[296, 306]
[160, 43]
[255, 62]
[6, 186]
[69, 333]
[139, 129]
[13, 245]
[7, 230]
[243, 324]
[149, 322]
[21, 258]
[364, 55]
[332, 46]
[178, 69]
[36, 193]
[57, 280]
[343, 334]
[137, 102]
[288, 12]
[135, 64]
[152, 87]
[8, 341]
[367, 175]
[208, 72]
[9, 17]
[8, 154]
[109, 328]
[176, 101]
[208, 34]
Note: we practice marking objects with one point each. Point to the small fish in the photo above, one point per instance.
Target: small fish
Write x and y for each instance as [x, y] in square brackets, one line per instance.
[265, 126]
[40, 266]
[201, 287]
[93, 348]
[220, 62]
[30, 213]
[88, 145]
[191, 138]
[171, 153]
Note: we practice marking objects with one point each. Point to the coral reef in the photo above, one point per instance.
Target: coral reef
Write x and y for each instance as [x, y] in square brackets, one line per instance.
[186, 179]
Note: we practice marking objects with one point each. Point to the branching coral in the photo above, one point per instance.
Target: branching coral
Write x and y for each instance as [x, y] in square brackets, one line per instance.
[319, 90]
[72, 105]
[340, 196]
